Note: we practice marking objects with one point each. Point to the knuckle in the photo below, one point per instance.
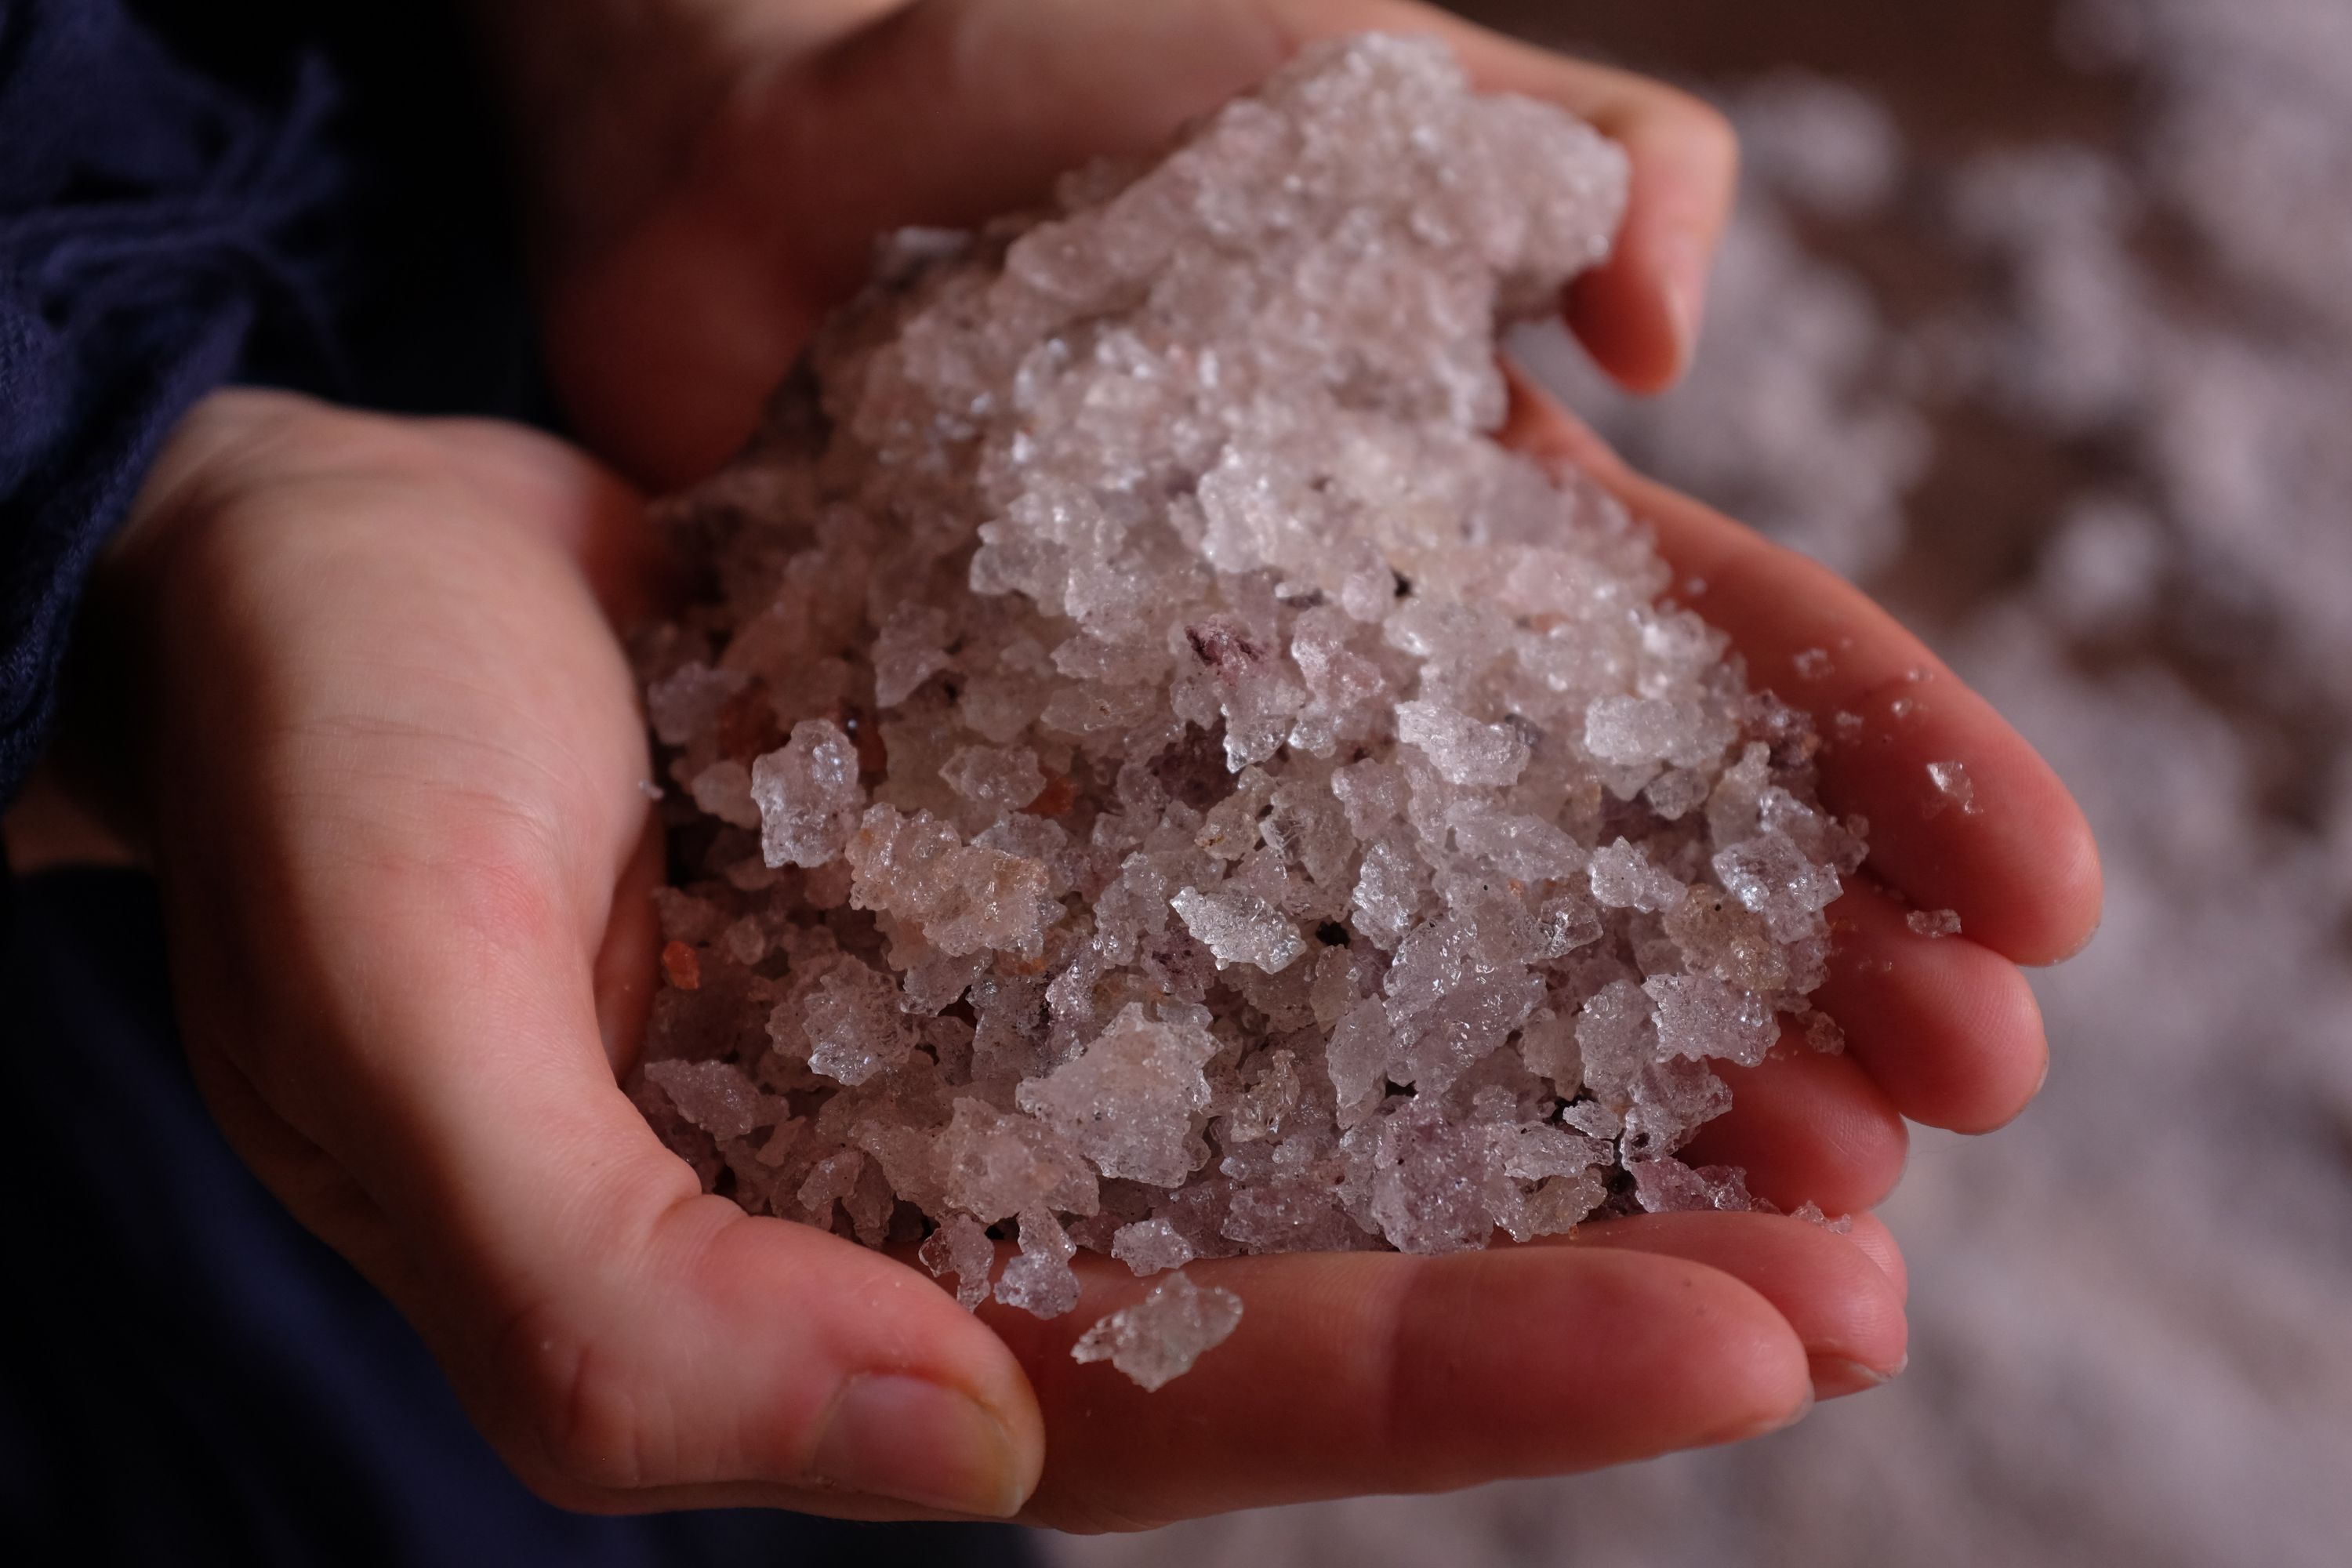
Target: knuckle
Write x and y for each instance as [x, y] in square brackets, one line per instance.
[590, 1423]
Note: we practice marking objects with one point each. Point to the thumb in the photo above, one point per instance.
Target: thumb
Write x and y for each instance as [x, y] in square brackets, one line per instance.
[625, 1341]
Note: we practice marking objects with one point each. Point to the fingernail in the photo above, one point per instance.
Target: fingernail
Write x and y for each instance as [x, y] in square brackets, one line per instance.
[1836, 1375]
[1682, 267]
[910, 1439]
[1765, 1427]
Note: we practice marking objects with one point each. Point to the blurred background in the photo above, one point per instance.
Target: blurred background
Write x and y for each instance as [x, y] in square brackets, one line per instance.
[2037, 320]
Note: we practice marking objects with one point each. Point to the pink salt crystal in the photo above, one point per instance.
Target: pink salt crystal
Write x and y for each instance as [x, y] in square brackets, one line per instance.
[853, 1025]
[1240, 927]
[1040, 1280]
[829, 1180]
[1699, 1016]
[807, 795]
[1623, 876]
[997, 1165]
[1953, 787]
[713, 1096]
[996, 778]
[1131, 1101]
[1157, 1339]
[1934, 923]
[1811, 1213]
[1463, 750]
[1150, 1247]
[961, 1246]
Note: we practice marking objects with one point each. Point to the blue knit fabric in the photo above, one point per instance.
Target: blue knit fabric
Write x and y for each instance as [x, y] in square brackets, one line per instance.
[149, 234]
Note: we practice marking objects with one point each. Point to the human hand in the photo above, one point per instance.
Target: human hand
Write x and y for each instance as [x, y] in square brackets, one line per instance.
[708, 179]
[390, 759]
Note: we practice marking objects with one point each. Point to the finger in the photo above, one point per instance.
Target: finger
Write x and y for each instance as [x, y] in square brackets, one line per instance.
[1840, 1304]
[1806, 1127]
[1950, 1029]
[1877, 1243]
[2020, 869]
[1356, 1373]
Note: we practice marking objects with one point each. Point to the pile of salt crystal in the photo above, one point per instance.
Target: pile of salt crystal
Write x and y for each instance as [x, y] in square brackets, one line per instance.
[1157, 776]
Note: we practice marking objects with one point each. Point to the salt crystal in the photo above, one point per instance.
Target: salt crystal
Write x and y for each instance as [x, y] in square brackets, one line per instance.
[1130, 1101]
[807, 795]
[1040, 1280]
[1150, 1247]
[1623, 876]
[1811, 664]
[961, 1246]
[1240, 927]
[1953, 787]
[1465, 751]
[713, 1096]
[1934, 923]
[1158, 1339]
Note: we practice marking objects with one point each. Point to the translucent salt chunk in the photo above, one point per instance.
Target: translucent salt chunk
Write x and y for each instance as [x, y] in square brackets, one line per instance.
[1623, 876]
[1463, 750]
[998, 1165]
[1150, 1247]
[1700, 1016]
[808, 796]
[961, 1248]
[996, 778]
[1130, 1101]
[1158, 1339]
[1934, 923]
[853, 1024]
[1630, 730]
[1240, 927]
[1040, 1280]
[1953, 787]
[1772, 877]
[714, 1095]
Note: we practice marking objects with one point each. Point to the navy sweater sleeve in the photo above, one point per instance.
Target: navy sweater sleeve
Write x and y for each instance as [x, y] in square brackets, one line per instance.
[152, 230]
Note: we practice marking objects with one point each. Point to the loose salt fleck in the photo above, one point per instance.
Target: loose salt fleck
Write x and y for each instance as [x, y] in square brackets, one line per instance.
[1040, 1280]
[1954, 788]
[1158, 1339]
[1239, 927]
[1934, 923]
[807, 795]
[1150, 1247]
[961, 1246]
[1811, 664]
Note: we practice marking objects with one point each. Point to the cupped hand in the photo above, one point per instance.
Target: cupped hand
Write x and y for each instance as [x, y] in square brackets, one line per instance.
[706, 190]
[390, 765]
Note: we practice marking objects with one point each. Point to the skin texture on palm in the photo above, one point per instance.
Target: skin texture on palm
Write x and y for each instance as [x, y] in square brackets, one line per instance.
[390, 760]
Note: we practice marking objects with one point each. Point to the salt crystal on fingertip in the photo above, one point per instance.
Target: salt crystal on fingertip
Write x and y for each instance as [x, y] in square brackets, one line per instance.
[1159, 1338]
[1953, 787]
[1934, 923]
